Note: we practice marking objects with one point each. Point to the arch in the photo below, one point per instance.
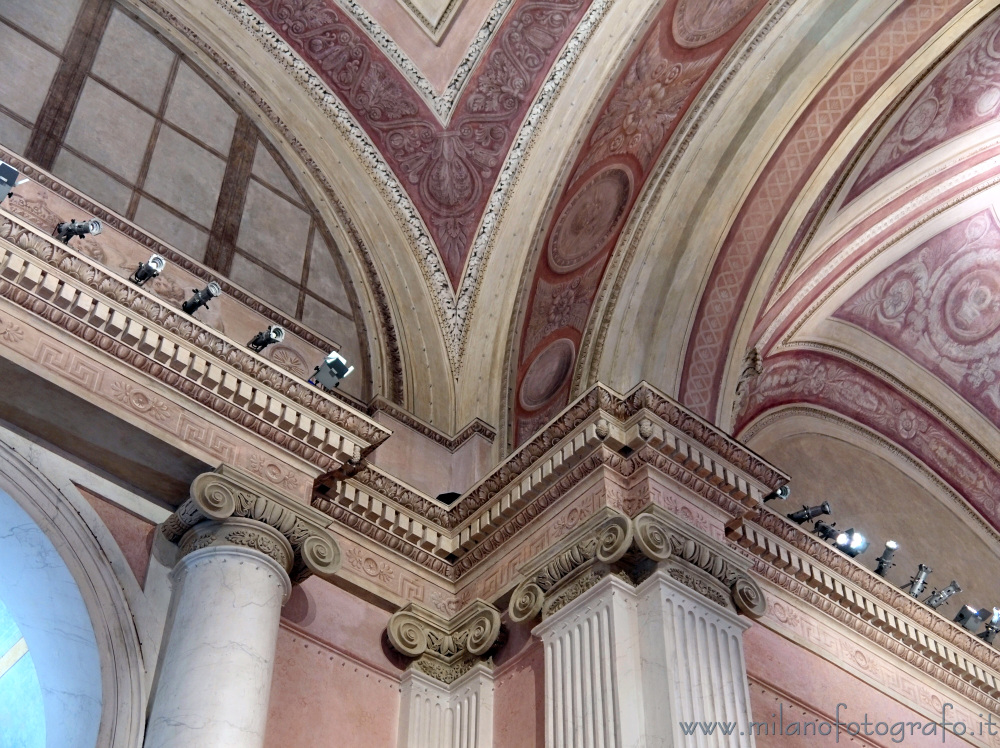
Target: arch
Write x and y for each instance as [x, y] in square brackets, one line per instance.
[62, 592]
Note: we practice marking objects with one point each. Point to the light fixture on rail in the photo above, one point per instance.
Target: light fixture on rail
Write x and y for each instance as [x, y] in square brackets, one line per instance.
[919, 580]
[273, 334]
[969, 618]
[807, 513]
[66, 231]
[992, 627]
[778, 493]
[852, 542]
[202, 297]
[826, 531]
[333, 369]
[148, 270]
[940, 597]
[885, 562]
[8, 180]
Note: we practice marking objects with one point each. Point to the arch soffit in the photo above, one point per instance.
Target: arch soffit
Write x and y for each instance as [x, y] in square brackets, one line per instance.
[60, 516]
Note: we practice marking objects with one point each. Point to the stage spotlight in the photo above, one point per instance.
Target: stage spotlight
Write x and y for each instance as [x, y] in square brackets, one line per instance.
[852, 542]
[826, 531]
[885, 562]
[992, 627]
[273, 334]
[66, 231]
[807, 513]
[148, 270]
[938, 598]
[329, 373]
[969, 618]
[8, 180]
[201, 298]
[778, 493]
[919, 581]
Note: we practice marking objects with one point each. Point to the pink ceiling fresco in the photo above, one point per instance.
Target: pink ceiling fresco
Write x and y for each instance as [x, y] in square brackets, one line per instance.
[681, 50]
[448, 170]
[739, 259]
[940, 305]
[964, 93]
[828, 383]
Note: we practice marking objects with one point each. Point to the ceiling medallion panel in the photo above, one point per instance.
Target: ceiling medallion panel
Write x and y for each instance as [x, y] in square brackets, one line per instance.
[547, 374]
[940, 305]
[698, 22]
[963, 94]
[590, 219]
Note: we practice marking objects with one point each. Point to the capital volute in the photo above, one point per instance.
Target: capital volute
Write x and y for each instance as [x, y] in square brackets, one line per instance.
[230, 507]
[445, 648]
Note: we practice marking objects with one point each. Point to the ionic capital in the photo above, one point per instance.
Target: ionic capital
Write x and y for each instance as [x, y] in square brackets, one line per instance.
[611, 543]
[445, 648]
[235, 509]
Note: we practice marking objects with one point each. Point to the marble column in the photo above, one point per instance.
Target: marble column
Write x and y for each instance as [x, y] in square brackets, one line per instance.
[642, 634]
[446, 693]
[241, 547]
[214, 683]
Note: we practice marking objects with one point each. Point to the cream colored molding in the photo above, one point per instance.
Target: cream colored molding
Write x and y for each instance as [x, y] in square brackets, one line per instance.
[68, 289]
[603, 429]
[444, 648]
[829, 582]
[228, 507]
[455, 715]
[611, 543]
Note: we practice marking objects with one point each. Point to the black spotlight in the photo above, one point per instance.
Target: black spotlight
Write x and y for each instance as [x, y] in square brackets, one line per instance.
[66, 231]
[969, 618]
[201, 298]
[919, 581]
[940, 597]
[885, 561]
[329, 373]
[273, 334]
[992, 627]
[779, 493]
[807, 513]
[852, 542]
[148, 270]
[826, 531]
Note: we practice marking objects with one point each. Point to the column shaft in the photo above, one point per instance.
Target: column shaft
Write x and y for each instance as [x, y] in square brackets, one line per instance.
[214, 681]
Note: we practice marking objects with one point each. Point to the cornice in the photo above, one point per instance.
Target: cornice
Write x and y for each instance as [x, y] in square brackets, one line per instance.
[451, 443]
[601, 431]
[69, 290]
[830, 582]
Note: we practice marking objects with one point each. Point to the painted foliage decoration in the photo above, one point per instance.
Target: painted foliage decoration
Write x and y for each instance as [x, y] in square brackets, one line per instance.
[448, 169]
[963, 94]
[636, 122]
[940, 305]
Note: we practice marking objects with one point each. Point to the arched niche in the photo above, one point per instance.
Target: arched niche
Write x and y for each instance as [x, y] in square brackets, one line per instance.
[61, 591]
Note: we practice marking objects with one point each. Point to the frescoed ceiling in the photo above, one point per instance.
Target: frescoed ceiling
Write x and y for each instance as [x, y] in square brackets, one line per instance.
[754, 205]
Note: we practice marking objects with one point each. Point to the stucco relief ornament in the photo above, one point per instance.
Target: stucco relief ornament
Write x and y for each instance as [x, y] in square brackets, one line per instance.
[445, 648]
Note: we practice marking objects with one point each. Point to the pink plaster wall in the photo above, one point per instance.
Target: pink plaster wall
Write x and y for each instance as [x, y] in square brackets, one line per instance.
[335, 681]
[519, 692]
[133, 533]
[791, 683]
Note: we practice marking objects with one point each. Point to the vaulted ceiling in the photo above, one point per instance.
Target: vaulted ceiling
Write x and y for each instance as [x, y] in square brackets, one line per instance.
[771, 210]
